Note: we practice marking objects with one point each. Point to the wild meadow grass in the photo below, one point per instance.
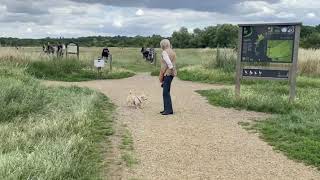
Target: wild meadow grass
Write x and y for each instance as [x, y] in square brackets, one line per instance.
[222, 64]
[61, 69]
[73, 70]
[51, 132]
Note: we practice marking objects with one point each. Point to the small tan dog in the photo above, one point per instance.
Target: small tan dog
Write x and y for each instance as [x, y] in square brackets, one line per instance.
[136, 101]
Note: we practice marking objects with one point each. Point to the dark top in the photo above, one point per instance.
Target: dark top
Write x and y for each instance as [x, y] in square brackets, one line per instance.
[105, 52]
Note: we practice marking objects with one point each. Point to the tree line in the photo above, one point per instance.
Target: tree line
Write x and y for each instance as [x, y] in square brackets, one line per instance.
[225, 35]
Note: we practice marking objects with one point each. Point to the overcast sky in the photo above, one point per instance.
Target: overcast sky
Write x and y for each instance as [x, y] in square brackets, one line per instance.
[74, 18]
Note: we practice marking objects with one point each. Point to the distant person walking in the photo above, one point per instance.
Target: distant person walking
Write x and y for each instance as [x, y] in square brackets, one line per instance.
[167, 73]
[105, 53]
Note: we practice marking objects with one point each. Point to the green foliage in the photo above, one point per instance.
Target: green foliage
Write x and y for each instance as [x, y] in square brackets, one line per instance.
[227, 35]
[311, 41]
[58, 136]
[224, 35]
[181, 38]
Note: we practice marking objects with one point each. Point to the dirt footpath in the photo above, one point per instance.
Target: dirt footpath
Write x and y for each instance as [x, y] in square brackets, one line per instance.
[199, 142]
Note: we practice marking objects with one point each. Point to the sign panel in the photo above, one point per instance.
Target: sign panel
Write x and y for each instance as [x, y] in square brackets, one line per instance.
[99, 63]
[72, 48]
[266, 73]
[268, 43]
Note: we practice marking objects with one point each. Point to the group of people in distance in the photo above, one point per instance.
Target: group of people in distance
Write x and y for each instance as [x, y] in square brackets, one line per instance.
[148, 54]
[52, 49]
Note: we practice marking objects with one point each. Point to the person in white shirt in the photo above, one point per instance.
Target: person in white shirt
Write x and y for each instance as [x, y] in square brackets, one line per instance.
[167, 73]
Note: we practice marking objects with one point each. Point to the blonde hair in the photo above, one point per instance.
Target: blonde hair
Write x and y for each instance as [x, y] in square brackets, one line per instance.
[165, 44]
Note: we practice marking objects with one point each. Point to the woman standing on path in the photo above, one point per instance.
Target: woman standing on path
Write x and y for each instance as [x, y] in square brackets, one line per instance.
[167, 73]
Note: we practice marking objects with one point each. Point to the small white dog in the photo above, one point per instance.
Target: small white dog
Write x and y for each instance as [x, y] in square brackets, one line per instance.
[136, 101]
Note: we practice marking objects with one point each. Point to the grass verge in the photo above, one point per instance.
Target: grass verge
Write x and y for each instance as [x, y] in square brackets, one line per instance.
[294, 128]
[72, 70]
[127, 149]
[51, 133]
[200, 74]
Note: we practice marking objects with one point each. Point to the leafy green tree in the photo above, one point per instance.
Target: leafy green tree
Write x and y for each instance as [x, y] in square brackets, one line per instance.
[227, 35]
[181, 38]
[312, 41]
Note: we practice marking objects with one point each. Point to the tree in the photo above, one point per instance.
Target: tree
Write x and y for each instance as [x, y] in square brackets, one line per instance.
[181, 38]
[312, 41]
[209, 36]
[307, 31]
[227, 35]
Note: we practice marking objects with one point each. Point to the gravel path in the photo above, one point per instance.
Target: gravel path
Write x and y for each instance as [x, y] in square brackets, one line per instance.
[199, 142]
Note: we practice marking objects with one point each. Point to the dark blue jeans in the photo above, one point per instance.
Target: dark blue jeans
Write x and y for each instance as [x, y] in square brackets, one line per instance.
[167, 103]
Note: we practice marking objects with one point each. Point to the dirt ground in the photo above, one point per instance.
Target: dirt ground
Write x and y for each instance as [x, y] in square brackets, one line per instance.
[199, 141]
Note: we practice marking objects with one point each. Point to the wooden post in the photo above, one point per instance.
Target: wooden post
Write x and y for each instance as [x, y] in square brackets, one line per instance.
[155, 59]
[294, 65]
[78, 52]
[238, 66]
[66, 51]
[218, 54]
[110, 62]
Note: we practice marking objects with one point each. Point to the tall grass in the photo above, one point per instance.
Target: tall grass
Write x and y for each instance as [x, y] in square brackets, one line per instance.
[201, 74]
[51, 133]
[63, 69]
[309, 62]
[73, 70]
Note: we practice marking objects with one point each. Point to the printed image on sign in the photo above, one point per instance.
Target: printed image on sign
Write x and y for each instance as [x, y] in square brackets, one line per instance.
[99, 63]
[265, 73]
[268, 43]
[72, 48]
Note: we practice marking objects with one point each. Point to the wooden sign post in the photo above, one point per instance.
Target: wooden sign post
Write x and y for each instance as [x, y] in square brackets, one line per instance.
[110, 65]
[72, 48]
[268, 45]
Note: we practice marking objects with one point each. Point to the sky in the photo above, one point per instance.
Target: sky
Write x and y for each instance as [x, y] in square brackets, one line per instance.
[80, 18]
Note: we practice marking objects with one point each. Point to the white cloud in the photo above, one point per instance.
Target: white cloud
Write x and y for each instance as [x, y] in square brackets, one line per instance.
[117, 23]
[285, 15]
[311, 15]
[256, 8]
[140, 12]
[72, 19]
[29, 30]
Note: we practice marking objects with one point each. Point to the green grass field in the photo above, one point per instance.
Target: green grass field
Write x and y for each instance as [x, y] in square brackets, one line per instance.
[280, 50]
[51, 132]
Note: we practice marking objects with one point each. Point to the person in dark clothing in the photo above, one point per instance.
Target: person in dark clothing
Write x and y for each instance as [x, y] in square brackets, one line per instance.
[105, 53]
[59, 50]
